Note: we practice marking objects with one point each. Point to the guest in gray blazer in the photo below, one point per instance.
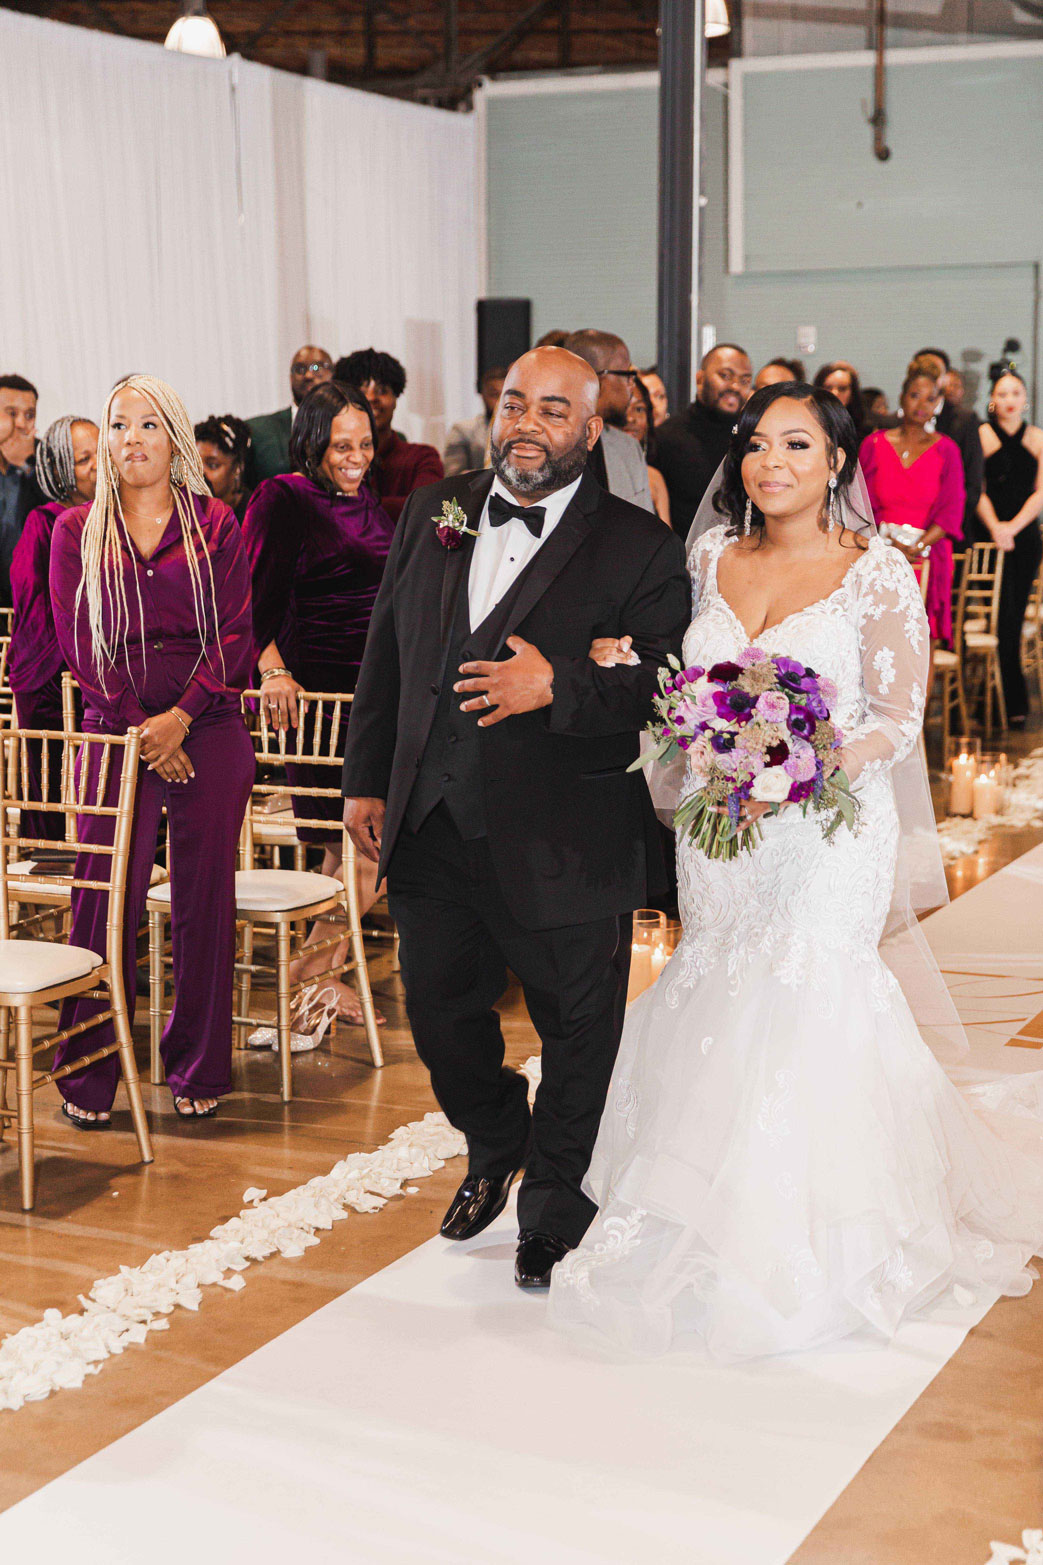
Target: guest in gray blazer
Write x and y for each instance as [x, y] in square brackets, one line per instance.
[617, 461]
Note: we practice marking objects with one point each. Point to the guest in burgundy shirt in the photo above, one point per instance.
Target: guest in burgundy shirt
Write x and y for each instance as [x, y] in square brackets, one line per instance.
[66, 470]
[317, 541]
[225, 445]
[400, 466]
[161, 640]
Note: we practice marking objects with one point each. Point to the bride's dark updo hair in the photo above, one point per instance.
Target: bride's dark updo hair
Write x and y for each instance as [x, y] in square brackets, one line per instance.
[841, 438]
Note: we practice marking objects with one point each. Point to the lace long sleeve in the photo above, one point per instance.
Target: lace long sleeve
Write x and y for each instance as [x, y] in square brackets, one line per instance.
[896, 648]
[699, 557]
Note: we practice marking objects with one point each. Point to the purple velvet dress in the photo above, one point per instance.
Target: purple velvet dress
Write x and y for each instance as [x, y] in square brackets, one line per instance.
[316, 559]
[34, 662]
[159, 663]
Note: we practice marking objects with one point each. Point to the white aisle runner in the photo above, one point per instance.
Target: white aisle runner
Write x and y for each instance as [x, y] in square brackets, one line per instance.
[428, 1417]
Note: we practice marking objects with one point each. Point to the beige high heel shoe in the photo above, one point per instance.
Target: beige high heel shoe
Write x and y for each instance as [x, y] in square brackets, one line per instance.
[311, 1016]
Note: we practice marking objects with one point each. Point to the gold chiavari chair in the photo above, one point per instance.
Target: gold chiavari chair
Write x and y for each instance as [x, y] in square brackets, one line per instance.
[948, 666]
[6, 693]
[976, 637]
[281, 903]
[35, 972]
[6, 621]
[1032, 629]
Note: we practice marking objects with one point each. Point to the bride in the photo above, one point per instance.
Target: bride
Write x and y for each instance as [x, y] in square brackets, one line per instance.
[783, 1160]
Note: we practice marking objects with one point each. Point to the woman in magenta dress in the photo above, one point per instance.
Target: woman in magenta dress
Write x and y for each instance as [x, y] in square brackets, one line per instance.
[67, 471]
[317, 540]
[915, 479]
[151, 595]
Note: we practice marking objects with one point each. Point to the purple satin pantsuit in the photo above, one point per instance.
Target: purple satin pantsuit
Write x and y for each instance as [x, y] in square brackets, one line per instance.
[34, 660]
[161, 662]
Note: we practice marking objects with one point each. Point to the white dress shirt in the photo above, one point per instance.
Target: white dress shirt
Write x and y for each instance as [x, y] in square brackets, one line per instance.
[502, 553]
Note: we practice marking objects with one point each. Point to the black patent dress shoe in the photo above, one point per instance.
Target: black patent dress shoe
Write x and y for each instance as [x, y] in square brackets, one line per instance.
[477, 1203]
[538, 1254]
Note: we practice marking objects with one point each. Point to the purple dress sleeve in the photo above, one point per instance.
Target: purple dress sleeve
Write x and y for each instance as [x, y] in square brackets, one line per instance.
[225, 667]
[34, 658]
[111, 696]
[947, 507]
[273, 537]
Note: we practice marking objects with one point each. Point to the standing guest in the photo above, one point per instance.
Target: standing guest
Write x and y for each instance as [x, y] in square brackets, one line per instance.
[691, 446]
[270, 432]
[151, 594]
[954, 389]
[874, 402]
[66, 470]
[467, 444]
[655, 386]
[915, 479]
[640, 424]
[551, 339]
[401, 465]
[841, 378]
[960, 424]
[616, 461]
[19, 491]
[1008, 515]
[776, 371]
[317, 541]
[224, 445]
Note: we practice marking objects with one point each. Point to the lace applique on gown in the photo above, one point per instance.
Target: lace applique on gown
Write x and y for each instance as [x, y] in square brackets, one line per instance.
[782, 1161]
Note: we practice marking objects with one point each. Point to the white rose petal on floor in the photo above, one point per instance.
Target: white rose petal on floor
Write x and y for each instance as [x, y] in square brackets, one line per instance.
[960, 834]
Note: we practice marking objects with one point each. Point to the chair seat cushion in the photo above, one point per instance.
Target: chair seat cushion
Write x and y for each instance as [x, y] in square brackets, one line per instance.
[30, 965]
[269, 890]
[945, 660]
[981, 641]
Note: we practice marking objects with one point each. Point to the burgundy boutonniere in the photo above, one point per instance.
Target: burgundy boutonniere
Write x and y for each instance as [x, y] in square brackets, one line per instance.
[452, 525]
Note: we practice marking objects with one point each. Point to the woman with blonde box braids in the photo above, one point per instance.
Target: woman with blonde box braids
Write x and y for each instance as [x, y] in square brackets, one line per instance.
[151, 595]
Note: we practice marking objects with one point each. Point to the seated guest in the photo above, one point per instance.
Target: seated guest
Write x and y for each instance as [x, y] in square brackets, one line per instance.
[841, 378]
[654, 385]
[270, 432]
[962, 425]
[66, 470]
[224, 449]
[641, 424]
[616, 460]
[778, 370]
[317, 540]
[467, 444]
[151, 596]
[551, 339]
[691, 446]
[915, 479]
[401, 465]
[19, 490]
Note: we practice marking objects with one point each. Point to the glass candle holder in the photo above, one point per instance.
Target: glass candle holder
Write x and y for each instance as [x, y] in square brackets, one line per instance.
[962, 762]
[645, 949]
[989, 787]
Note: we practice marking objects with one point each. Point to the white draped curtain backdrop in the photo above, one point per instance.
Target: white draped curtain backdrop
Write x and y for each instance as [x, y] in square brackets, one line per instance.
[200, 220]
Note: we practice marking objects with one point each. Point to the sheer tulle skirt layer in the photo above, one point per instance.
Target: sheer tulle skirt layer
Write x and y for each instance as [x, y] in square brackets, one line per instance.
[780, 1166]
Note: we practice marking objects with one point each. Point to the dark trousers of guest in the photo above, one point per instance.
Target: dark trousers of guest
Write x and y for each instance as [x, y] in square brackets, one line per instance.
[458, 937]
[1019, 572]
[42, 709]
[204, 818]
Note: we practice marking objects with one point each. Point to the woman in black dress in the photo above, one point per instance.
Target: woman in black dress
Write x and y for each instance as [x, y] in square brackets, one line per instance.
[1008, 515]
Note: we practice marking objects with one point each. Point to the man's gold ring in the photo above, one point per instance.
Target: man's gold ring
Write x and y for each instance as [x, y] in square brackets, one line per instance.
[485, 698]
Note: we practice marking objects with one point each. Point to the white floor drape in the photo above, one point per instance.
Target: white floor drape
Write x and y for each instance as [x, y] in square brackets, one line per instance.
[200, 220]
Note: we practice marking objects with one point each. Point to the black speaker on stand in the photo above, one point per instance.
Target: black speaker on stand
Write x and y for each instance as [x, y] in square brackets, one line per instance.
[504, 332]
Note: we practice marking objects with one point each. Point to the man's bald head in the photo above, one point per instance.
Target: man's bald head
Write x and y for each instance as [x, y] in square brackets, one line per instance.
[546, 422]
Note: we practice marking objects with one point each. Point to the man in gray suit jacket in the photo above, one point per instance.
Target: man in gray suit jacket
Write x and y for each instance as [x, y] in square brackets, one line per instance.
[617, 461]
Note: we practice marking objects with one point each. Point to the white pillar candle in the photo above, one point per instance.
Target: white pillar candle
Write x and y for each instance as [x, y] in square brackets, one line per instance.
[640, 970]
[986, 796]
[961, 785]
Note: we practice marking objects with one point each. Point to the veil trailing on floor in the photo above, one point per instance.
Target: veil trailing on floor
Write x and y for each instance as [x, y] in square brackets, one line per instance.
[920, 873]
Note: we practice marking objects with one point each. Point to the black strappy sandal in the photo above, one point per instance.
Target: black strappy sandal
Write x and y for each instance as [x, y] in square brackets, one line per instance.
[85, 1124]
[192, 1113]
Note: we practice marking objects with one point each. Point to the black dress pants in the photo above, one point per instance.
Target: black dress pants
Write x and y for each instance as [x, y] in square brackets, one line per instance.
[1019, 572]
[457, 938]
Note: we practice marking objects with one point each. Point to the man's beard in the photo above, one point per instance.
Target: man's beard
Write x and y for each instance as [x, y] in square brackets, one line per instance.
[554, 472]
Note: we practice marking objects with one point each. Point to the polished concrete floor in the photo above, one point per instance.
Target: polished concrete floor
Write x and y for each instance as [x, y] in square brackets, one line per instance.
[963, 1466]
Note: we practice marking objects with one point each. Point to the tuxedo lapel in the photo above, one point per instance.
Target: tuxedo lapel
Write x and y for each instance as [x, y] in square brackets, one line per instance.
[572, 531]
[458, 561]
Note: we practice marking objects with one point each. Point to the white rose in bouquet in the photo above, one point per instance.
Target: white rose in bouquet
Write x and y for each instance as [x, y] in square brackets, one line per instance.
[772, 786]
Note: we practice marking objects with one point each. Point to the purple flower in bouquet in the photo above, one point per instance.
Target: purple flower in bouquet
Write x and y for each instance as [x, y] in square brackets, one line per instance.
[802, 763]
[735, 706]
[773, 707]
[801, 791]
[815, 704]
[724, 673]
[750, 656]
[801, 722]
[722, 741]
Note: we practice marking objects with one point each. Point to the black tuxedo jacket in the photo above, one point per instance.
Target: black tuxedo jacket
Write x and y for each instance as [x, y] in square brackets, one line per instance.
[573, 836]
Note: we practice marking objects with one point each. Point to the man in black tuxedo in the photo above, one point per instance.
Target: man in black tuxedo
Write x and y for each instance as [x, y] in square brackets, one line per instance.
[486, 772]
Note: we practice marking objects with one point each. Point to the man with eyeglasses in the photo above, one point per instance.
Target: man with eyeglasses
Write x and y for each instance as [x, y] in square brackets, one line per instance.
[270, 455]
[616, 460]
[691, 446]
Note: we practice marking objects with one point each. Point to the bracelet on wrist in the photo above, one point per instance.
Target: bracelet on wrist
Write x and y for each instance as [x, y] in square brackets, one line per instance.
[179, 718]
[275, 673]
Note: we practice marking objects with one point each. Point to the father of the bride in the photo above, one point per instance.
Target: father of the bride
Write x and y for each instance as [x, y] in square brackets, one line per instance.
[486, 771]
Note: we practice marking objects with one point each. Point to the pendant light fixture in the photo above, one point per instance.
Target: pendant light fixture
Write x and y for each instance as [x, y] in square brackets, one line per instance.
[196, 32]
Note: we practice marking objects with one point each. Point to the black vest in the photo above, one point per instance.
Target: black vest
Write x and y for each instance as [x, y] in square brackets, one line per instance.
[451, 767]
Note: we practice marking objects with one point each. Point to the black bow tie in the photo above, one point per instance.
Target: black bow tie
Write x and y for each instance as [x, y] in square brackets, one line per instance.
[501, 510]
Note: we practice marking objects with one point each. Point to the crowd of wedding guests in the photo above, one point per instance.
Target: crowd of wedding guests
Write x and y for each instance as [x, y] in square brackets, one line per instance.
[250, 551]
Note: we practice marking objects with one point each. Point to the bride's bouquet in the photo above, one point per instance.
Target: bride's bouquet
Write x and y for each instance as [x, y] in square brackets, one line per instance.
[758, 728]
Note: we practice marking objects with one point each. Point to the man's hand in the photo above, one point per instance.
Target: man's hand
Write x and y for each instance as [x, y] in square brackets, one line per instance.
[364, 819]
[523, 685]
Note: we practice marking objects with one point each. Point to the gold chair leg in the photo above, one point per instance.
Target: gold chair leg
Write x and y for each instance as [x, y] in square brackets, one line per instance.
[24, 1090]
[282, 1000]
[365, 992]
[245, 983]
[156, 936]
[131, 1081]
[5, 1055]
[1001, 700]
[396, 964]
[947, 698]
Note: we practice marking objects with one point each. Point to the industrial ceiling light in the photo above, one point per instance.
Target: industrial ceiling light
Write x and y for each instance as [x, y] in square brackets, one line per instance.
[716, 22]
[195, 32]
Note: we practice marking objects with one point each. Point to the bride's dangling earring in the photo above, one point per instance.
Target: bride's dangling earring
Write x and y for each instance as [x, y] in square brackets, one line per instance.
[747, 519]
[832, 514]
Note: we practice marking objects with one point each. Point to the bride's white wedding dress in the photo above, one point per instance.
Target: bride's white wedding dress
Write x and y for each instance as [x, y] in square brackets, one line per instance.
[782, 1160]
